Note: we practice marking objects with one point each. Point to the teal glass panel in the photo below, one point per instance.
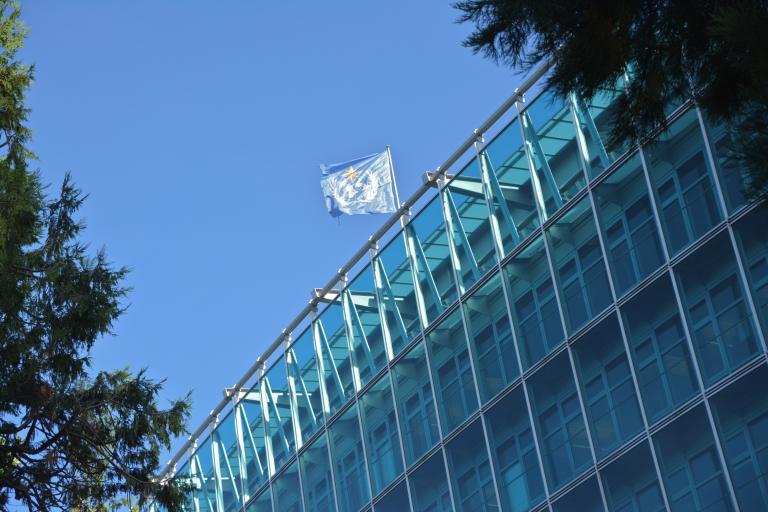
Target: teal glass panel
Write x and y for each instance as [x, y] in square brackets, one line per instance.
[682, 182]
[630, 483]
[606, 386]
[226, 452]
[362, 314]
[753, 246]
[416, 407]
[262, 503]
[579, 266]
[254, 440]
[632, 241]
[303, 371]
[428, 238]
[451, 371]
[490, 335]
[335, 370]
[659, 349]
[429, 486]
[693, 475]
[584, 498]
[470, 471]
[204, 494]
[286, 490]
[382, 439]
[596, 120]
[278, 413]
[349, 469]
[518, 474]
[734, 177]
[559, 423]
[396, 500]
[741, 417]
[718, 315]
[513, 204]
[397, 294]
[533, 303]
[316, 476]
[551, 136]
[464, 200]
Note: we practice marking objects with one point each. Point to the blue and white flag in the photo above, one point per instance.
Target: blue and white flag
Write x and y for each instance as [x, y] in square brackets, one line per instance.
[359, 186]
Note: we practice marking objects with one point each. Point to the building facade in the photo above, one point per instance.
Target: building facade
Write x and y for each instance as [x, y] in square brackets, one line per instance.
[562, 326]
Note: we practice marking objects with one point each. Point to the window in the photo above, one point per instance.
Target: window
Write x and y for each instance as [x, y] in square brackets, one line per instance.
[429, 486]
[470, 471]
[584, 283]
[631, 484]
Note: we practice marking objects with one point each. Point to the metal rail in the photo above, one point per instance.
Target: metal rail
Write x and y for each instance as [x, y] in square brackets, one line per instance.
[362, 252]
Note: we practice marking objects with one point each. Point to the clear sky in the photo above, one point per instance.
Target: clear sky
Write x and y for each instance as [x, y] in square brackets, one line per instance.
[198, 127]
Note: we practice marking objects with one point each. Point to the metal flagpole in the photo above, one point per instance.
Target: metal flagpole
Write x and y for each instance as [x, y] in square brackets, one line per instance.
[392, 172]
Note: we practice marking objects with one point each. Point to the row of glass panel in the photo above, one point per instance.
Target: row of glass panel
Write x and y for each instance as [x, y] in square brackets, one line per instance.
[478, 217]
[723, 339]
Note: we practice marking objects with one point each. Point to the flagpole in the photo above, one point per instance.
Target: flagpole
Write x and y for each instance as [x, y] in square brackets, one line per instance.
[392, 173]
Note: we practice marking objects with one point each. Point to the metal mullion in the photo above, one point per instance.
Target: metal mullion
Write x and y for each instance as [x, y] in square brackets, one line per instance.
[331, 466]
[292, 398]
[689, 340]
[569, 350]
[580, 110]
[459, 290]
[273, 404]
[304, 390]
[253, 443]
[531, 138]
[327, 346]
[387, 285]
[242, 466]
[538, 193]
[378, 285]
[349, 328]
[505, 294]
[318, 350]
[495, 188]
[627, 352]
[731, 236]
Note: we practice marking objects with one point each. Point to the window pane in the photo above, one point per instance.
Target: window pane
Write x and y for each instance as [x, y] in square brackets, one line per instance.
[361, 310]
[382, 439]
[629, 230]
[508, 161]
[395, 500]
[688, 459]
[285, 488]
[397, 293]
[254, 439]
[631, 484]
[316, 476]
[429, 486]
[533, 303]
[331, 336]
[683, 183]
[585, 498]
[734, 179]
[607, 387]
[470, 471]
[514, 453]
[490, 333]
[348, 462]
[549, 130]
[224, 444]
[741, 416]
[719, 318]
[579, 265]
[278, 413]
[262, 503]
[753, 245]
[427, 236]
[452, 371]
[416, 408]
[465, 202]
[562, 434]
[302, 368]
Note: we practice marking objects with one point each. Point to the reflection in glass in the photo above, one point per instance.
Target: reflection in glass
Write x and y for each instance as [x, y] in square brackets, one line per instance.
[303, 371]
[262, 503]
[659, 350]
[330, 337]
[490, 334]
[254, 439]
[584, 498]
[277, 414]
[533, 303]
[693, 476]
[579, 266]
[631, 484]
[286, 490]
[416, 407]
[607, 387]
[429, 486]
[316, 476]
[682, 183]
[629, 231]
[348, 462]
[514, 453]
[470, 472]
[753, 246]
[452, 371]
[396, 500]
[713, 296]
[226, 454]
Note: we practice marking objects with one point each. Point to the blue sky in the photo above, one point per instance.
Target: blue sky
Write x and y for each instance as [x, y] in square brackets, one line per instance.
[198, 128]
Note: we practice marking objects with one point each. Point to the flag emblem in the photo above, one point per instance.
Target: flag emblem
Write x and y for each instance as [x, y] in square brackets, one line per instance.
[359, 186]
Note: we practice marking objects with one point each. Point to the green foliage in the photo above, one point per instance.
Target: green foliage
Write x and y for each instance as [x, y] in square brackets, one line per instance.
[712, 51]
[70, 438]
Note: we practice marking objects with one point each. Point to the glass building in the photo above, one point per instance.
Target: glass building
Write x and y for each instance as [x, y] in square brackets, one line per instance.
[562, 326]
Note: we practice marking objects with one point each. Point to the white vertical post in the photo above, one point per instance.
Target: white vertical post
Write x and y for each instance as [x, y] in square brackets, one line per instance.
[392, 174]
